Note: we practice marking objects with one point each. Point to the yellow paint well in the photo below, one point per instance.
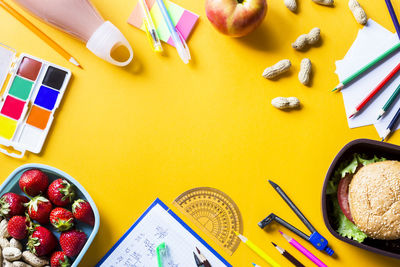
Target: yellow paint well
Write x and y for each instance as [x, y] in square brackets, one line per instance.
[7, 127]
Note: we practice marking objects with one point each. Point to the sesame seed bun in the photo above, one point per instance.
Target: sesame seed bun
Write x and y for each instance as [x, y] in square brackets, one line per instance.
[374, 199]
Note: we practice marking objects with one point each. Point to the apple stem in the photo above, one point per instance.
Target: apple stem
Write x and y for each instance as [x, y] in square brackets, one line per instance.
[240, 1]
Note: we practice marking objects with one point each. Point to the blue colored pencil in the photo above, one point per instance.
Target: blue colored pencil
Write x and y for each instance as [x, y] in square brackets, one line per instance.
[391, 125]
[393, 16]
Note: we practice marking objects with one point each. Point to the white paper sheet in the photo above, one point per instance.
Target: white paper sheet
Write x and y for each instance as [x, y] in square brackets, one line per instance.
[138, 249]
[371, 42]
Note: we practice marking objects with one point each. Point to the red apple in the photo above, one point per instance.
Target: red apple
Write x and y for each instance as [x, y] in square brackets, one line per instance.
[236, 17]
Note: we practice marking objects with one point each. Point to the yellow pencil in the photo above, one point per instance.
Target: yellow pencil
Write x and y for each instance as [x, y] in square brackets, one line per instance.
[39, 33]
[258, 250]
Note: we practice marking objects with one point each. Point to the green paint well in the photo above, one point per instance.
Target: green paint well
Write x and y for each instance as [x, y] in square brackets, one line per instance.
[21, 88]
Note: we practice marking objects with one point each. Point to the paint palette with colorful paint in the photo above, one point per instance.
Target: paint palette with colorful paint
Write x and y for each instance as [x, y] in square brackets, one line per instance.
[31, 96]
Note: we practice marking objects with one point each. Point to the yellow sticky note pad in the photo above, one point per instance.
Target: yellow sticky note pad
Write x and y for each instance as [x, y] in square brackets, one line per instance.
[7, 127]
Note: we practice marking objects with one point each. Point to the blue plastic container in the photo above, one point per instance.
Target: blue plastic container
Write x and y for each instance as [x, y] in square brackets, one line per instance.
[11, 185]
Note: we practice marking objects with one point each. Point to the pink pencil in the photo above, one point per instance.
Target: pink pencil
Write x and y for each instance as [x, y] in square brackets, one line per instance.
[303, 250]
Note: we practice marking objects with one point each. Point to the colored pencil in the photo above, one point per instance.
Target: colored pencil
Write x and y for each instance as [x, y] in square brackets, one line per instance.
[393, 16]
[389, 102]
[366, 67]
[303, 250]
[197, 260]
[288, 256]
[39, 33]
[391, 125]
[203, 259]
[376, 90]
[258, 250]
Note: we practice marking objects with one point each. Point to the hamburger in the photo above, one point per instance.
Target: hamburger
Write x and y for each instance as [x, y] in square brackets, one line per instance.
[374, 200]
[365, 195]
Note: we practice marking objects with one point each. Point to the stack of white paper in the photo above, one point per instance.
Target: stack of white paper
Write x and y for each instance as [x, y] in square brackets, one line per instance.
[370, 43]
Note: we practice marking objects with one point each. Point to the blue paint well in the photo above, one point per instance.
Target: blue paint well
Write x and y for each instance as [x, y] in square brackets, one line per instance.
[46, 98]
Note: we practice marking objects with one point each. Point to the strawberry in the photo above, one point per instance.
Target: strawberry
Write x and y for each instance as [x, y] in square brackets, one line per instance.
[17, 227]
[12, 204]
[39, 209]
[61, 192]
[59, 259]
[72, 242]
[42, 242]
[83, 211]
[34, 182]
[62, 219]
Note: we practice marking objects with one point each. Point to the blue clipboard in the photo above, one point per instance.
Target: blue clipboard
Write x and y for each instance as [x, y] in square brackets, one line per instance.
[165, 207]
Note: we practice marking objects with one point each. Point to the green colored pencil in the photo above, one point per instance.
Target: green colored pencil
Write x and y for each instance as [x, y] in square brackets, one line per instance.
[389, 102]
[366, 67]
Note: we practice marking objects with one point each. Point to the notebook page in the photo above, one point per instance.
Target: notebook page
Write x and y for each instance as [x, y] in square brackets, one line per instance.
[138, 249]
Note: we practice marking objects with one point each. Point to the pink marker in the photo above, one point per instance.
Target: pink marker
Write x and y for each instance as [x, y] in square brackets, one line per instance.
[303, 250]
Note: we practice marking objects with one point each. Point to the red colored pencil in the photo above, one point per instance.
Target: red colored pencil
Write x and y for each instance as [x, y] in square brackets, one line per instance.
[376, 90]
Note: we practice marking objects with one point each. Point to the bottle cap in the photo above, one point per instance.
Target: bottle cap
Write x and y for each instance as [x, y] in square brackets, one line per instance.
[106, 38]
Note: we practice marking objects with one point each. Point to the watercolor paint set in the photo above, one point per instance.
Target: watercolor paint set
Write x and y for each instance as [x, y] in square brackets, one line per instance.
[33, 89]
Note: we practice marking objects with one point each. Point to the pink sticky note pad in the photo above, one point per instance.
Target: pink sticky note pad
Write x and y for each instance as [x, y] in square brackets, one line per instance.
[185, 25]
[185, 21]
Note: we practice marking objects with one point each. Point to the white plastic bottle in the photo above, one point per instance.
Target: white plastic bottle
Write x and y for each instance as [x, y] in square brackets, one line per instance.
[81, 19]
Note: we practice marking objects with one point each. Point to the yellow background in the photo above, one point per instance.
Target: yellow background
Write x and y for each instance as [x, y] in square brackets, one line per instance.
[159, 127]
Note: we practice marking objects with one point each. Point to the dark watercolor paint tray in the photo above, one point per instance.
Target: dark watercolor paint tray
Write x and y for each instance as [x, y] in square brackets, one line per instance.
[369, 148]
[11, 185]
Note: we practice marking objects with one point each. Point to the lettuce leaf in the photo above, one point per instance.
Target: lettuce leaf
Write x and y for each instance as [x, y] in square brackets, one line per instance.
[349, 230]
[369, 161]
[357, 160]
[345, 227]
[351, 167]
[331, 188]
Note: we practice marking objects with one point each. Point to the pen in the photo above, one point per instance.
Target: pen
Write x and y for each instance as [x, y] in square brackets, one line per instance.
[303, 250]
[179, 41]
[151, 31]
[258, 250]
[391, 125]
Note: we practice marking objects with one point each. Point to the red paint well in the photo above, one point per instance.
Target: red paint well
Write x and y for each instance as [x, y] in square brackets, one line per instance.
[13, 108]
[29, 68]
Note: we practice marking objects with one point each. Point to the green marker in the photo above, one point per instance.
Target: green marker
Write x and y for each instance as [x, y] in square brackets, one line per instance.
[366, 67]
[389, 102]
[162, 252]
